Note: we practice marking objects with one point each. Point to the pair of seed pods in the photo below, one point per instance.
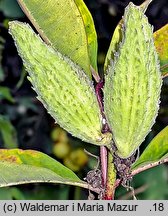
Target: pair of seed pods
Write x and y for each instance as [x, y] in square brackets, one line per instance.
[131, 92]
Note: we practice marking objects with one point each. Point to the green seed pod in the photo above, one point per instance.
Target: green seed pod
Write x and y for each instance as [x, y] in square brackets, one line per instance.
[133, 84]
[62, 87]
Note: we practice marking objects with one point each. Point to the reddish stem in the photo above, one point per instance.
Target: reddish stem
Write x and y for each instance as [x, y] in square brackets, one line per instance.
[103, 150]
[98, 90]
[95, 75]
[107, 167]
[148, 166]
[99, 95]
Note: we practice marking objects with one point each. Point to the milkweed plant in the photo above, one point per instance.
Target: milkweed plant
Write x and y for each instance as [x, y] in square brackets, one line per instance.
[114, 112]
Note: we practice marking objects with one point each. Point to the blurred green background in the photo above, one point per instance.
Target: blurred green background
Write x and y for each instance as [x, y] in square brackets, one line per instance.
[25, 124]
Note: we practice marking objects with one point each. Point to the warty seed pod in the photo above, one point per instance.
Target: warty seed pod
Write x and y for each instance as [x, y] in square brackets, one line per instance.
[61, 85]
[133, 84]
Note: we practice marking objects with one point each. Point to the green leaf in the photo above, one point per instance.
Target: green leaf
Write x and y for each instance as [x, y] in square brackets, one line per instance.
[8, 133]
[90, 32]
[1, 73]
[22, 78]
[27, 166]
[16, 193]
[161, 43]
[155, 183]
[156, 150]
[64, 89]
[5, 94]
[60, 24]
[133, 84]
[10, 193]
[114, 45]
[5, 194]
[11, 9]
[48, 192]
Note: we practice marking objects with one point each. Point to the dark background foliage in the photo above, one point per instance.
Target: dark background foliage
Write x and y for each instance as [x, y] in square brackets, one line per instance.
[28, 125]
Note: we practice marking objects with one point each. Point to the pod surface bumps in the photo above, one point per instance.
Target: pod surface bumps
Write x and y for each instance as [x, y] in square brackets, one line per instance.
[62, 87]
[133, 84]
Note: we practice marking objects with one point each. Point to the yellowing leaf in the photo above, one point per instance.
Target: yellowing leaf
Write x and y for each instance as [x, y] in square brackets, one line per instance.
[161, 43]
[21, 167]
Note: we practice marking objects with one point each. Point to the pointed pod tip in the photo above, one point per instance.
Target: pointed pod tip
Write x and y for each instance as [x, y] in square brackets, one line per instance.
[144, 6]
[125, 154]
[13, 26]
[13, 23]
